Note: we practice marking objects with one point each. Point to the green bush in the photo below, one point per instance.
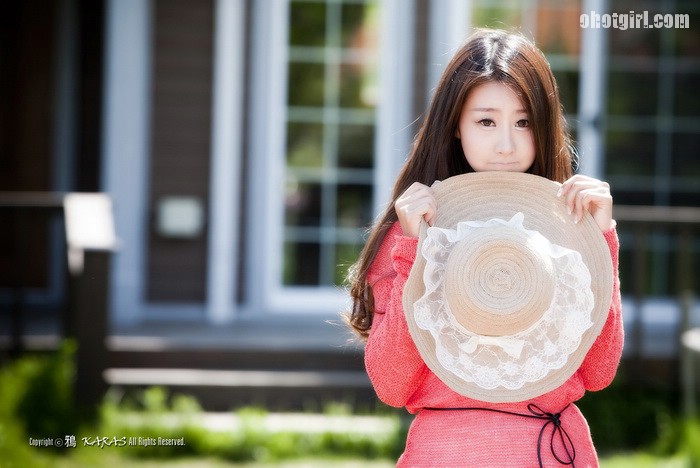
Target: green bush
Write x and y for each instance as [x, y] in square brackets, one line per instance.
[679, 436]
[36, 400]
[624, 416]
[150, 415]
[48, 405]
[14, 450]
[37, 392]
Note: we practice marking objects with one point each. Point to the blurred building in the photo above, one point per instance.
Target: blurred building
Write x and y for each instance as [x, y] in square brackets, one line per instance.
[246, 144]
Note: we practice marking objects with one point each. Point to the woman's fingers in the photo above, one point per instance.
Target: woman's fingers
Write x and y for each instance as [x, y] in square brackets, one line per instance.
[414, 205]
[582, 193]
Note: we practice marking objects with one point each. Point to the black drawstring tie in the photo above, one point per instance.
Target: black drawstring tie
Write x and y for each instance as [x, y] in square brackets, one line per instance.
[536, 413]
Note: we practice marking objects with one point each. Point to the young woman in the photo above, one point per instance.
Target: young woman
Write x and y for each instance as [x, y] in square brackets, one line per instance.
[496, 108]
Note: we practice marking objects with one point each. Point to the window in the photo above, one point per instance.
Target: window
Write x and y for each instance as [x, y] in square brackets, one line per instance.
[330, 128]
[653, 130]
[653, 125]
[317, 160]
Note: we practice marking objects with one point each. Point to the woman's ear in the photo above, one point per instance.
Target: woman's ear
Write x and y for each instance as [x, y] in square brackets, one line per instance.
[457, 134]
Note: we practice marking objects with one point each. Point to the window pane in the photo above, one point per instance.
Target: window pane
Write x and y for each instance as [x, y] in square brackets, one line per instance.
[357, 86]
[354, 206]
[558, 29]
[686, 39]
[301, 263]
[630, 153]
[687, 101]
[635, 42]
[686, 162]
[303, 204]
[632, 93]
[306, 84]
[355, 33]
[640, 41]
[307, 23]
[356, 146]
[628, 196]
[304, 144]
[568, 89]
[496, 17]
[685, 198]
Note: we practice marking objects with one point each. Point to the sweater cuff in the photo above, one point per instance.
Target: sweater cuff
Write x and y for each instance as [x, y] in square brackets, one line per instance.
[403, 254]
[613, 243]
[611, 237]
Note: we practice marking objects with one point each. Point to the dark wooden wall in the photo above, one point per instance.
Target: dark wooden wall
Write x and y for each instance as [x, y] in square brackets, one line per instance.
[180, 141]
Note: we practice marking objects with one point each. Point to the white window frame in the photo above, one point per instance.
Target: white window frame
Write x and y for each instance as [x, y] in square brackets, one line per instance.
[225, 172]
[449, 27]
[267, 150]
[591, 99]
[126, 129]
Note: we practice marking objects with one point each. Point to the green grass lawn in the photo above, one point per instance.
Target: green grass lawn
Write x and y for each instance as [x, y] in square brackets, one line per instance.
[644, 461]
[114, 459]
[216, 463]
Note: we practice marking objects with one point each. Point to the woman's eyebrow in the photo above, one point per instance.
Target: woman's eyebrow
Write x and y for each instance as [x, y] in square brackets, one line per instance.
[493, 109]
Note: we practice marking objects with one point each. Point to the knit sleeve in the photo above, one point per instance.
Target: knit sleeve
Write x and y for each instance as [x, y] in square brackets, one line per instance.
[600, 365]
[391, 358]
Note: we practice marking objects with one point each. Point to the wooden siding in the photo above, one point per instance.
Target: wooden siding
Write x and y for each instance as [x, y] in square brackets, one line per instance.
[180, 142]
[26, 129]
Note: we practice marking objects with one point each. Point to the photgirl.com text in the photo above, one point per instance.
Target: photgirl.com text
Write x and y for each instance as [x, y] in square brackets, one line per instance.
[632, 20]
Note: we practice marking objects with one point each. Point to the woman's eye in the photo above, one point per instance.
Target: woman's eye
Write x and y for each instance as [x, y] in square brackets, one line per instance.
[522, 123]
[487, 122]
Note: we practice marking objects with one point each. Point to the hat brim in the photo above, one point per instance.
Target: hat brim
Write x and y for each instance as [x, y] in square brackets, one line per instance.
[487, 195]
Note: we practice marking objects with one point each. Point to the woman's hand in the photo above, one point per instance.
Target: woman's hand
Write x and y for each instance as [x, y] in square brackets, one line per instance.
[414, 205]
[586, 193]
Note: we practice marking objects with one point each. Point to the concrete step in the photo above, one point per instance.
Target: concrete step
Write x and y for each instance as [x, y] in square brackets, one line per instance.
[229, 378]
[274, 367]
[309, 423]
[224, 390]
[232, 359]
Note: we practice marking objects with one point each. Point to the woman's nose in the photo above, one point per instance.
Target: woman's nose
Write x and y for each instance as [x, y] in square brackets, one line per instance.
[505, 143]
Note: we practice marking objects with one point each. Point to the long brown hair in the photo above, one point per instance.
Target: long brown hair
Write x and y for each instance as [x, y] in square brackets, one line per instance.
[488, 56]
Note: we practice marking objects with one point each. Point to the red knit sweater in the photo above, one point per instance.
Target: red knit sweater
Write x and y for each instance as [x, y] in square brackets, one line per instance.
[474, 438]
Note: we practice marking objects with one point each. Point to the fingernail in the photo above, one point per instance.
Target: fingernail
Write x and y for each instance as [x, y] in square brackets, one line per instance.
[576, 219]
[568, 209]
[559, 191]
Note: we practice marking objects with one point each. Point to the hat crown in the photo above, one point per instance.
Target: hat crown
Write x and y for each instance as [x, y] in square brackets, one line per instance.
[499, 277]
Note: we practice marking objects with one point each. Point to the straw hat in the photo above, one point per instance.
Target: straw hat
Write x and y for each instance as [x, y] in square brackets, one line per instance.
[507, 294]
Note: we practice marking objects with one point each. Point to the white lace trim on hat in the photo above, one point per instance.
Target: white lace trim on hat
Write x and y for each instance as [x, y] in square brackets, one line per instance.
[509, 361]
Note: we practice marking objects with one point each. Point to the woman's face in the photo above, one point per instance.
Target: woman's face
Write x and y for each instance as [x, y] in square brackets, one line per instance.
[494, 129]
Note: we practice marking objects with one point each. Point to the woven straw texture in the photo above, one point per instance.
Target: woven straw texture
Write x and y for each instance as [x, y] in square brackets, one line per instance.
[498, 283]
